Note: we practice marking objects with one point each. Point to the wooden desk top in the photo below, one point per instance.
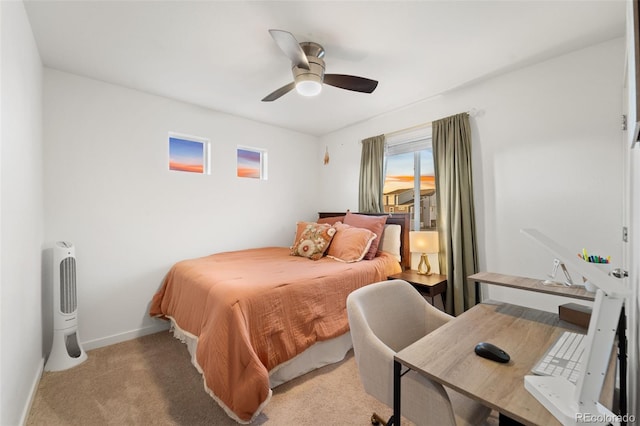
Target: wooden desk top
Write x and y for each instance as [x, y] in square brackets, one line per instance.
[447, 356]
[531, 284]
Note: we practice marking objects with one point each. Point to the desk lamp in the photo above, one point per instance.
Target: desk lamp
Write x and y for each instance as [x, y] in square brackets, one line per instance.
[424, 242]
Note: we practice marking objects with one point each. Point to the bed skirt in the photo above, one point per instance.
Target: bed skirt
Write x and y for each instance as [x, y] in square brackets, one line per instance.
[316, 356]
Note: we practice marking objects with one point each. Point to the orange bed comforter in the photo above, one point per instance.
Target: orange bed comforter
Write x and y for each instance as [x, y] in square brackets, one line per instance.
[252, 310]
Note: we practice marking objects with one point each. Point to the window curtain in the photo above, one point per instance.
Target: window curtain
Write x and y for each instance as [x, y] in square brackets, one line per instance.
[371, 175]
[456, 216]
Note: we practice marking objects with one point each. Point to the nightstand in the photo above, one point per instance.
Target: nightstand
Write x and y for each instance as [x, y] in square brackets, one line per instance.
[429, 285]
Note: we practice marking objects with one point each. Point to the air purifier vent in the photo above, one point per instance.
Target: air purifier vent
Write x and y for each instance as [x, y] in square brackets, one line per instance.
[68, 300]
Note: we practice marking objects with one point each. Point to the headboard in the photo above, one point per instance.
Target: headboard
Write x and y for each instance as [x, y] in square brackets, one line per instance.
[401, 219]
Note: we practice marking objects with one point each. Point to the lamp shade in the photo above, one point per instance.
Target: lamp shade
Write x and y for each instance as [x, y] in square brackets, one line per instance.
[308, 87]
[424, 242]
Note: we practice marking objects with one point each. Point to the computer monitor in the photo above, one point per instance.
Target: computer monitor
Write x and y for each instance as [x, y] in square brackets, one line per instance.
[578, 404]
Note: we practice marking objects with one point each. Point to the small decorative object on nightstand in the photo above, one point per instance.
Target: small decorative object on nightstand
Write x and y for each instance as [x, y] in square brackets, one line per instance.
[424, 242]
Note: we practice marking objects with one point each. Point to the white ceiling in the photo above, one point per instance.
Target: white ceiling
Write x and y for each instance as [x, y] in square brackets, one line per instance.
[219, 54]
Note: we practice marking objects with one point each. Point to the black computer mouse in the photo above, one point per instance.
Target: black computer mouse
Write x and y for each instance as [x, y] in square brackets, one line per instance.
[492, 352]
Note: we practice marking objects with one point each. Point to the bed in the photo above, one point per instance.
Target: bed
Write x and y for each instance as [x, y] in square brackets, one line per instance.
[255, 318]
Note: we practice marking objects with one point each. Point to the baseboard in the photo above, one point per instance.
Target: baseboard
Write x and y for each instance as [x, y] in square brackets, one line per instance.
[123, 337]
[32, 393]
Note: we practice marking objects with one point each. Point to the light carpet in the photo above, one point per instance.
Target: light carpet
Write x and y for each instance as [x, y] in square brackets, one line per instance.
[151, 381]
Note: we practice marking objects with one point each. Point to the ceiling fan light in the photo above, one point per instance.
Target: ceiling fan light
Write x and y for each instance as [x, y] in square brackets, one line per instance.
[308, 87]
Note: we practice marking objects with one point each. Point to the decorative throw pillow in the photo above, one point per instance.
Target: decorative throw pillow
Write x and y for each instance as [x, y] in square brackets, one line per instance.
[373, 223]
[300, 227]
[312, 239]
[350, 244]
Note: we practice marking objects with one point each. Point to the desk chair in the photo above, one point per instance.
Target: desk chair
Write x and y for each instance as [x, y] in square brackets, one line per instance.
[386, 317]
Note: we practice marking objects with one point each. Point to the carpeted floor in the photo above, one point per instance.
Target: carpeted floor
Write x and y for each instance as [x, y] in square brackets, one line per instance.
[151, 381]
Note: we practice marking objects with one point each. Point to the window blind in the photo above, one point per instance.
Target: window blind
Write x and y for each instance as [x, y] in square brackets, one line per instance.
[408, 141]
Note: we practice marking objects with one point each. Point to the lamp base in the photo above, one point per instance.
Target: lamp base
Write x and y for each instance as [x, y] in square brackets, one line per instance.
[424, 267]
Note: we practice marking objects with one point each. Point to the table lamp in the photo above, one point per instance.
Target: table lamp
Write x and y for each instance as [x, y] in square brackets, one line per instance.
[424, 242]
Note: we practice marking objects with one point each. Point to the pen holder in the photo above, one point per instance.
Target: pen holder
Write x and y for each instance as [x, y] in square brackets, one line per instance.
[604, 267]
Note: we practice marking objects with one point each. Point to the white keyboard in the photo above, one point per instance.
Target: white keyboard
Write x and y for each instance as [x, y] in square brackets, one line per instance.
[563, 358]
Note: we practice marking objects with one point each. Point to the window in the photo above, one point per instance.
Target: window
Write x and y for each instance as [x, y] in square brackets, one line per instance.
[252, 163]
[410, 176]
[189, 154]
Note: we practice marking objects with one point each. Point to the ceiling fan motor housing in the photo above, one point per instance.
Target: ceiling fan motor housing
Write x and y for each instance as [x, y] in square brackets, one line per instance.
[307, 66]
[309, 82]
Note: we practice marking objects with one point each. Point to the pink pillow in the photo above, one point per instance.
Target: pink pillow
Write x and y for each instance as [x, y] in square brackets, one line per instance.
[374, 224]
[350, 244]
[331, 220]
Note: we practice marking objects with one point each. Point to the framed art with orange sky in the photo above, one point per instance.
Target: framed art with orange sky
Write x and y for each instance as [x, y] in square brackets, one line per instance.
[188, 154]
[252, 163]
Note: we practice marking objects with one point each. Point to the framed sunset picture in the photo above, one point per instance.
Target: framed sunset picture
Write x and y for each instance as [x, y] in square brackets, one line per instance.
[188, 154]
[252, 163]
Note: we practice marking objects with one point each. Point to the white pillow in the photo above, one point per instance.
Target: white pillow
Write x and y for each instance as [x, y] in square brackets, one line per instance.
[390, 242]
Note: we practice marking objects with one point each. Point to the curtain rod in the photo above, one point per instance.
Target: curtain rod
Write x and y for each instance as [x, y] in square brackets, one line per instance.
[472, 112]
[408, 129]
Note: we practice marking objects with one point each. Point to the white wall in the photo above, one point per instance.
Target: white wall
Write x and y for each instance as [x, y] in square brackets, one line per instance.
[21, 218]
[108, 190]
[546, 153]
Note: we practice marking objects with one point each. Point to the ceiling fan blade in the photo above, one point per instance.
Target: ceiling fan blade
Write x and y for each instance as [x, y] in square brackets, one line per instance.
[351, 82]
[290, 46]
[279, 92]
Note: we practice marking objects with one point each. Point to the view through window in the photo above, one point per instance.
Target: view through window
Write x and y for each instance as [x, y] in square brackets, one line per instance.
[410, 176]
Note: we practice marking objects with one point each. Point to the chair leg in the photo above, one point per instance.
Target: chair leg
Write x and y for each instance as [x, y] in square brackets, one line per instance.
[377, 420]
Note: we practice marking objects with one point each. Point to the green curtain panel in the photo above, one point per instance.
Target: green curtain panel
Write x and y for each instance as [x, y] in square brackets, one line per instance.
[371, 175]
[456, 215]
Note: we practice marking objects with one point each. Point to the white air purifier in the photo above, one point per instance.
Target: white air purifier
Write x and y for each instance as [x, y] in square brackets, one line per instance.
[66, 351]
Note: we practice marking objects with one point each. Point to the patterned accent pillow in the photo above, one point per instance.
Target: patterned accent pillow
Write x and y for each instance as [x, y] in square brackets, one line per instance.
[312, 239]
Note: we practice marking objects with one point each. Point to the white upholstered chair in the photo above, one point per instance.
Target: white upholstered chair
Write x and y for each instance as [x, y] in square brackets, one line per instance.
[386, 317]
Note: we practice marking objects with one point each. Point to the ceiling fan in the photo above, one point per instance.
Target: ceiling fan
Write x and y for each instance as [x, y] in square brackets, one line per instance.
[308, 69]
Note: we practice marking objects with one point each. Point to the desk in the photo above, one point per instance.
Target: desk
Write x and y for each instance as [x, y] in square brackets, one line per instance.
[531, 284]
[447, 356]
[576, 292]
